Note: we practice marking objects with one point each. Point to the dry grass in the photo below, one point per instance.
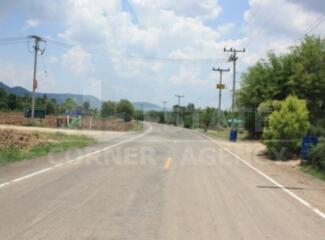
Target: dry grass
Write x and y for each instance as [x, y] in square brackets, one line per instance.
[18, 145]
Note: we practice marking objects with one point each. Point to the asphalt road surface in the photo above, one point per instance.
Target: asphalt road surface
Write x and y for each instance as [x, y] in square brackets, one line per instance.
[166, 183]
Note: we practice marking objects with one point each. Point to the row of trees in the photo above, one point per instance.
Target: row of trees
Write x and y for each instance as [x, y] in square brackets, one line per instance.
[282, 98]
[301, 73]
[122, 109]
[187, 116]
[12, 102]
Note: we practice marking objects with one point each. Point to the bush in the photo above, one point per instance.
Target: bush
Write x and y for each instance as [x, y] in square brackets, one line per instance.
[108, 109]
[316, 155]
[316, 131]
[125, 108]
[286, 127]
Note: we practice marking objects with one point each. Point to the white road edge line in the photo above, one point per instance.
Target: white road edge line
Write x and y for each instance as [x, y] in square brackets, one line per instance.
[75, 159]
[299, 199]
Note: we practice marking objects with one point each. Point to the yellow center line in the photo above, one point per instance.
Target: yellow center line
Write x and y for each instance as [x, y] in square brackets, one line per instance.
[168, 162]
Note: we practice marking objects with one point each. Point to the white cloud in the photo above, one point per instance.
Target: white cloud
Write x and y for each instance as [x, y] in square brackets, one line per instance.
[78, 61]
[164, 29]
[278, 17]
[31, 23]
[188, 8]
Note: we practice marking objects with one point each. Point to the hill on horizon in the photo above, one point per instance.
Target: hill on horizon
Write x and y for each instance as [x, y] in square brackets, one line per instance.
[79, 98]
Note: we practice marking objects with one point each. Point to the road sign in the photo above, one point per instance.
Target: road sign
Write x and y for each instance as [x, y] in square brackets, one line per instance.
[220, 86]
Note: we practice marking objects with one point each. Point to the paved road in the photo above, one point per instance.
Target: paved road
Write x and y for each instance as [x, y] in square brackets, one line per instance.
[168, 184]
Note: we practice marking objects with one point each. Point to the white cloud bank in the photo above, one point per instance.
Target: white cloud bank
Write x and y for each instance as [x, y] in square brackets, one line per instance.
[165, 29]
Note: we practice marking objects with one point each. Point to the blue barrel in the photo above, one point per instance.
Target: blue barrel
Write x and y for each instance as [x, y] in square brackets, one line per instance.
[307, 143]
[233, 135]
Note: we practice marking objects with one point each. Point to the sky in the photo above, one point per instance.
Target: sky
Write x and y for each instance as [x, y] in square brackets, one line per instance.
[147, 50]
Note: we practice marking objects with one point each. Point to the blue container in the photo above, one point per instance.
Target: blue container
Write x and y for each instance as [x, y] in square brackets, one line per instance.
[307, 143]
[233, 135]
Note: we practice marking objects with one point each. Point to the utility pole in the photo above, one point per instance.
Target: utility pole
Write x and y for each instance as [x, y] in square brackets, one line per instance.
[142, 111]
[37, 49]
[233, 58]
[164, 102]
[220, 86]
[179, 105]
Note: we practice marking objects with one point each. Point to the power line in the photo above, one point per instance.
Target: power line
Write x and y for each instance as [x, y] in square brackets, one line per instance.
[319, 21]
[12, 40]
[18, 40]
[8, 39]
[146, 58]
[12, 43]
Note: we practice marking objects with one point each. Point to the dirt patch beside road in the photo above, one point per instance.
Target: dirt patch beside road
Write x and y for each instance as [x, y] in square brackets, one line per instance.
[16, 145]
[22, 139]
[17, 118]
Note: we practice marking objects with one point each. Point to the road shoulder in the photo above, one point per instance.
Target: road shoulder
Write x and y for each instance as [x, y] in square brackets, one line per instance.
[286, 173]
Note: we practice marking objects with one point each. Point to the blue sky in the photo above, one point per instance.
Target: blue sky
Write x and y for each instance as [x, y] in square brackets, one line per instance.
[147, 50]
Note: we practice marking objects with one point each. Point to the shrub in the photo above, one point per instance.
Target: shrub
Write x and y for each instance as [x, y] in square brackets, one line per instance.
[316, 155]
[316, 131]
[286, 127]
[126, 109]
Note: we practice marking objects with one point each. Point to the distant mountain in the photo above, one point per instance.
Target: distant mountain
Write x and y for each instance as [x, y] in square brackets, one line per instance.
[79, 98]
[20, 91]
[147, 106]
[59, 97]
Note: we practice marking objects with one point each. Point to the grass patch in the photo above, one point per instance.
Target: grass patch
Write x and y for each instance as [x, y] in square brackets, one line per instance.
[59, 142]
[314, 171]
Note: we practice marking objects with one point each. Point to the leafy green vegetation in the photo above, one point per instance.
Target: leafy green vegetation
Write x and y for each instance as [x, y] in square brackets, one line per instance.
[62, 143]
[123, 109]
[316, 156]
[286, 127]
[314, 171]
[301, 73]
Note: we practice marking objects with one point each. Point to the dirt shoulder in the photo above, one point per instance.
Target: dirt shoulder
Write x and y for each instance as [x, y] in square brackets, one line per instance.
[100, 136]
[21, 168]
[287, 173]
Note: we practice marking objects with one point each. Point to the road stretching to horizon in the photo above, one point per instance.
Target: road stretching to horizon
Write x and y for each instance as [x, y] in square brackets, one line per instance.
[166, 183]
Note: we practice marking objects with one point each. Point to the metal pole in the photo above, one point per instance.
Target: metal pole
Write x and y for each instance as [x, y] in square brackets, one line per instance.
[233, 58]
[233, 91]
[220, 70]
[142, 110]
[179, 105]
[36, 48]
[219, 102]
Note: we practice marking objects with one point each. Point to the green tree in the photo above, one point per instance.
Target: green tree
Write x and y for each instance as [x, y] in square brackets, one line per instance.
[126, 109]
[286, 127]
[26, 101]
[108, 109]
[301, 73]
[207, 118]
[3, 99]
[12, 102]
[69, 104]
[51, 106]
[138, 115]
[86, 107]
